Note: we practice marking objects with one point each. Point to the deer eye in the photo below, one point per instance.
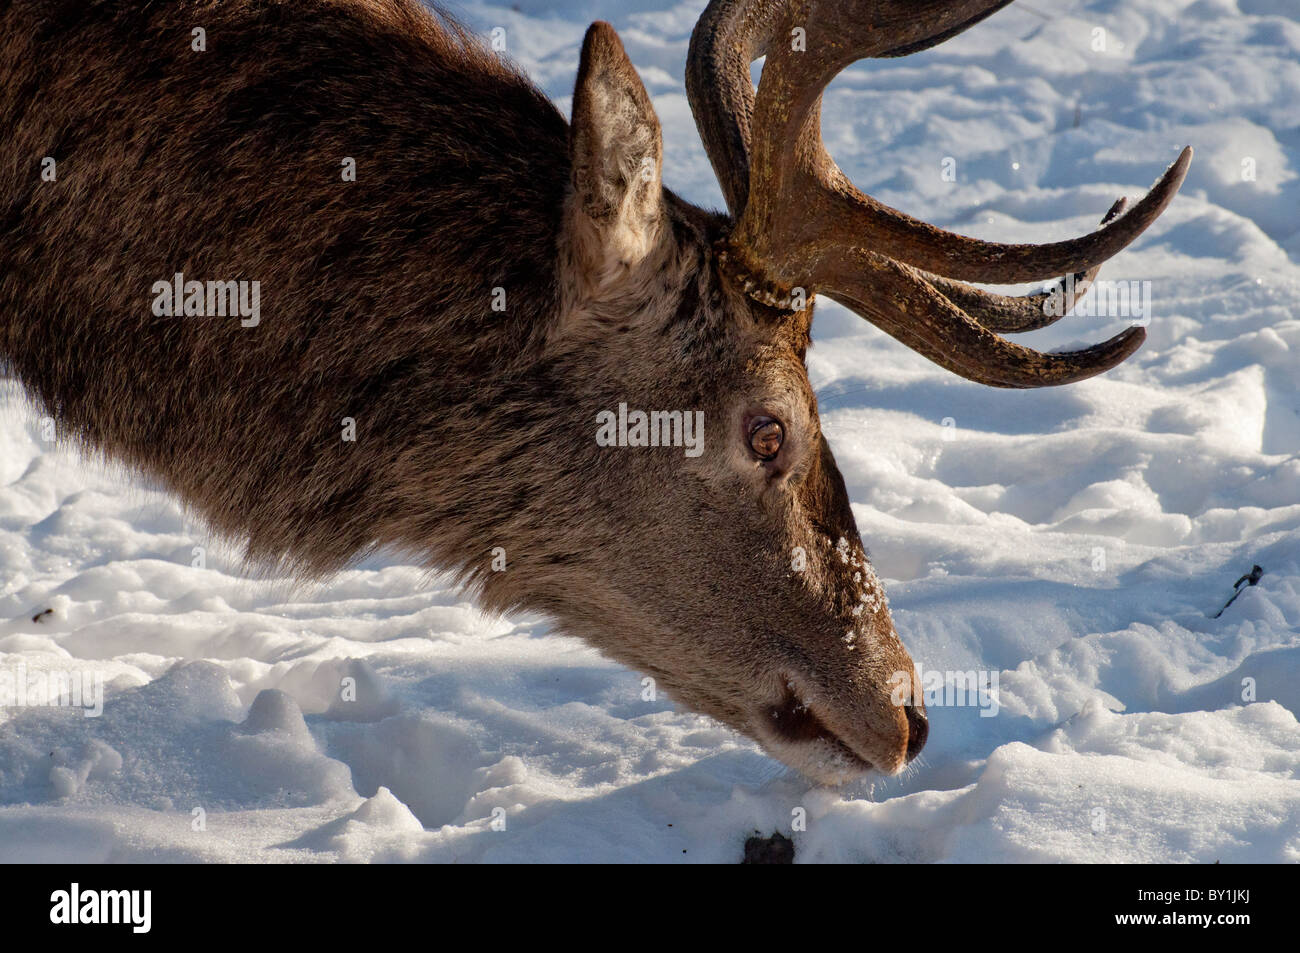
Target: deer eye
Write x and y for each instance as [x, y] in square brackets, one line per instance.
[765, 437]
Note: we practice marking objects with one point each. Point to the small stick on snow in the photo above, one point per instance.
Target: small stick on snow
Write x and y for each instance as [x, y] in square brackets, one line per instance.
[1250, 579]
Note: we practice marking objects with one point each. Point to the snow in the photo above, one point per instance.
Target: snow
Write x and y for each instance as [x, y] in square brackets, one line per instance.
[1069, 546]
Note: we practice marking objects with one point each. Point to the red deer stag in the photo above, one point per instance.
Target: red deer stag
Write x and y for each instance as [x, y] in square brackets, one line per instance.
[483, 298]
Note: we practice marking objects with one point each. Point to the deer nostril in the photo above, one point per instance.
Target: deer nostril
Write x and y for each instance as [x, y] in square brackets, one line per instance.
[918, 729]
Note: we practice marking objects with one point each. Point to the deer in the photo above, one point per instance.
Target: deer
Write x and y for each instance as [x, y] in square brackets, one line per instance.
[489, 281]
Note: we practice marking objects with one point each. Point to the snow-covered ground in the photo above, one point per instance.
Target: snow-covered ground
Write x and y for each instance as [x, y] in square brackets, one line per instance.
[1073, 543]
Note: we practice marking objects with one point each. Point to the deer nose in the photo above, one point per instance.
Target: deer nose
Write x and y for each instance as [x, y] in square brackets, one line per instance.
[918, 729]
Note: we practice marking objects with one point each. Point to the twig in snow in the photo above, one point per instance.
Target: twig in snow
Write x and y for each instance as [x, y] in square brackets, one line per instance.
[1250, 579]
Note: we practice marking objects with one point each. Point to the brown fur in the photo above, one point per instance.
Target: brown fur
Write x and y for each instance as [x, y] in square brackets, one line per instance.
[475, 428]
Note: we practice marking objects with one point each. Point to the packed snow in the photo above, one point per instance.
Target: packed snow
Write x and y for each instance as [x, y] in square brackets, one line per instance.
[1070, 547]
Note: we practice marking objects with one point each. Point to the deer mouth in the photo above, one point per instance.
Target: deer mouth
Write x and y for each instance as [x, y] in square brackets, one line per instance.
[793, 721]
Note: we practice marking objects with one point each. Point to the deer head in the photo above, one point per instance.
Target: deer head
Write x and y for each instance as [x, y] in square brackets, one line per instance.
[737, 577]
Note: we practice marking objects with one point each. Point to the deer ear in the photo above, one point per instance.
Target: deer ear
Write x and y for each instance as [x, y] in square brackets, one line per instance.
[616, 214]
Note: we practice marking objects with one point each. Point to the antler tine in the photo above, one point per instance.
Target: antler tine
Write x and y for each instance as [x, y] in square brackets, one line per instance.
[728, 37]
[901, 302]
[732, 34]
[853, 216]
[1018, 313]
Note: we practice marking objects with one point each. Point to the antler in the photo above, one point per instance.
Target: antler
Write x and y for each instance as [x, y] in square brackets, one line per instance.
[799, 221]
